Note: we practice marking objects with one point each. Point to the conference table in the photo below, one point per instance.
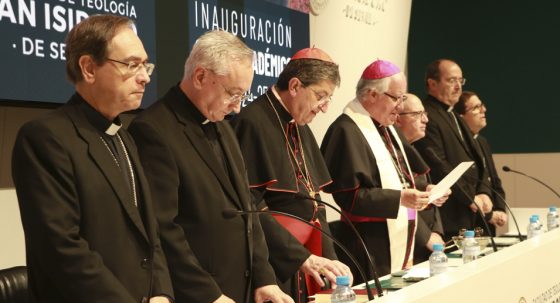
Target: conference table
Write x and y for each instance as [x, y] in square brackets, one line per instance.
[528, 271]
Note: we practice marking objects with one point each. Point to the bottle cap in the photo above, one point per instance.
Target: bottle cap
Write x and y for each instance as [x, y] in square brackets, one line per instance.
[536, 216]
[438, 247]
[469, 234]
[552, 208]
[533, 219]
[342, 280]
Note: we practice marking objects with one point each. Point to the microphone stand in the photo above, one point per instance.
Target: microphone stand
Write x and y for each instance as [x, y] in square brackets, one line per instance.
[230, 213]
[507, 169]
[519, 235]
[509, 208]
[369, 256]
[479, 211]
[435, 157]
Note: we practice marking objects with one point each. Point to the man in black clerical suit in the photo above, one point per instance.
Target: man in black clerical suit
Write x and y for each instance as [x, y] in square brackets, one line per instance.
[473, 111]
[412, 121]
[447, 143]
[373, 181]
[196, 172]
[86, 208]
[283, 158]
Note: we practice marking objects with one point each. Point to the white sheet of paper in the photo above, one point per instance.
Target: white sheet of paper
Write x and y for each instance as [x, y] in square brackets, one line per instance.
[441, 188]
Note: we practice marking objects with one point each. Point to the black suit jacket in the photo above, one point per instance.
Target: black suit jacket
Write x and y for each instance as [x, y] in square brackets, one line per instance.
[208, 254]
[444, 139]
[85, 239]
[498, 193]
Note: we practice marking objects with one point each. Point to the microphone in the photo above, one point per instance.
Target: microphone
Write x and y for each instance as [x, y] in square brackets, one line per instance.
[230, 213]
[370, 257]
[507, 169]
[435, 158]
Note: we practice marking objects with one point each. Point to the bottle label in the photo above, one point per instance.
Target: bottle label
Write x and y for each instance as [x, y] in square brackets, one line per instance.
[438, 268]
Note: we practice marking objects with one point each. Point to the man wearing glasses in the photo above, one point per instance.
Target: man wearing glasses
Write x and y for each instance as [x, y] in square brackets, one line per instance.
[473, 111]
[412, 122]
[372, 178]
[283, 158]
[90, 231]
[447, 143]
[197, 176]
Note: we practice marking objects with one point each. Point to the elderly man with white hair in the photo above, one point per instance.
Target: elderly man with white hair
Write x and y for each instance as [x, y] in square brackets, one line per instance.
[373, 182]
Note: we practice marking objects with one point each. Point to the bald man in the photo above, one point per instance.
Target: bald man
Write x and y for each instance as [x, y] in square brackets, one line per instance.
[412, 122]
[448, 142]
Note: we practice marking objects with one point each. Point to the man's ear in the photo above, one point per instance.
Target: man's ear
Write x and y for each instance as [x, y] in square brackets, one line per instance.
[199, 76]
[374, 95]
[293, 86]
[88, 68]
[431, 82]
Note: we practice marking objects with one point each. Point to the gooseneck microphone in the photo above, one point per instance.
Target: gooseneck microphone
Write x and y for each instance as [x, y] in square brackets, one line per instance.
[231, 213]
[370, 257]
[435, 158]
[507, 169]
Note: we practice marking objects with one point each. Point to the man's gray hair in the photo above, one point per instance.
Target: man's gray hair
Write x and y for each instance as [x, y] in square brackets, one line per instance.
[378, 85]
[214, 50]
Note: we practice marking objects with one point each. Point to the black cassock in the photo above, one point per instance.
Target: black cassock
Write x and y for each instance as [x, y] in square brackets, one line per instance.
[357, 189]
[274, 176]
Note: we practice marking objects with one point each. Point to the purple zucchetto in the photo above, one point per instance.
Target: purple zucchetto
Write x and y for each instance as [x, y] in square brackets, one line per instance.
[380, 69]
[312, 53]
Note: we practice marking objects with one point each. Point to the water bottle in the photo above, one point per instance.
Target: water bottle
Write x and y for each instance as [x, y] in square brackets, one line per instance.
[535, 228]
[470, 247]
[539, 223]
[343, 293]
[552, 218]
[438, 260]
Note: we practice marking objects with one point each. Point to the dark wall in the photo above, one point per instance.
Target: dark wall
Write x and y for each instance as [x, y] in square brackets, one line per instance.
[172, 48]
[508, 51]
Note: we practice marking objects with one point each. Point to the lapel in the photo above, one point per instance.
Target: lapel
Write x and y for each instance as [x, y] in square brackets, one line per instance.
[197, 138]
[101, 156]
[232, 152]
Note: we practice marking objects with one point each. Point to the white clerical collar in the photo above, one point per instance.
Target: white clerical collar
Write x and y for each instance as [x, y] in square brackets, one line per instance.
[273, 88]
[205, 122]
[450, 109]
[475, 136]
[113, 129]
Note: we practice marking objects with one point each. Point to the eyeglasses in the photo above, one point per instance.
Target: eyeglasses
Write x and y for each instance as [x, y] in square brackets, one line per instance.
[134, 67]
[235, 99]
[400, 99]
[417, 114]
[454, 80]
[477, 108]
[321, 99]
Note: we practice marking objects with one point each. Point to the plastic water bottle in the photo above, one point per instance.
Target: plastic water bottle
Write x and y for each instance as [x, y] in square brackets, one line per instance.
[470, 247]
[438, 260]
[552, 221]
[535, 228]
[538, 220]
[343, 293]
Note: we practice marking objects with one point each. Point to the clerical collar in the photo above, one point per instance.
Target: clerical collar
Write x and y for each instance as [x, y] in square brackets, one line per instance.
[282, 110]
[440, 103]
[475, 136]
[99, 122]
